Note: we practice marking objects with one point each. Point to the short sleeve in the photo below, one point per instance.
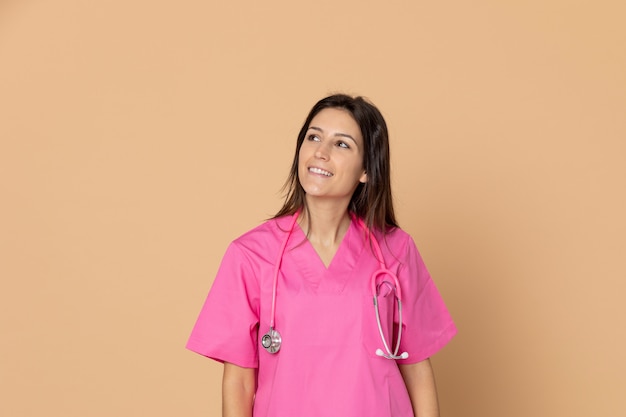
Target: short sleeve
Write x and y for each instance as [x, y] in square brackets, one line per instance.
[427, 324]
[227, 327]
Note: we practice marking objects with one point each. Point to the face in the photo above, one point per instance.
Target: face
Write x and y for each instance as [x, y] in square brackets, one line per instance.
[330, 163]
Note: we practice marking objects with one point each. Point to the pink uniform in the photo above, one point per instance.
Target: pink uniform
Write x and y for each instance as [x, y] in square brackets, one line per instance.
[327, 365]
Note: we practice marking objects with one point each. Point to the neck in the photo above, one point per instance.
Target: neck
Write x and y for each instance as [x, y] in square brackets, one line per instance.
[325, 224]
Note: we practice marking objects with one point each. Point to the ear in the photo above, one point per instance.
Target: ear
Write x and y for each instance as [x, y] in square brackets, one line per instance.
[363, 178]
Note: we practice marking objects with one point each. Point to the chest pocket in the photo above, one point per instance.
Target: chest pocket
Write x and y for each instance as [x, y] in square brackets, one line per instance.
[370, 330]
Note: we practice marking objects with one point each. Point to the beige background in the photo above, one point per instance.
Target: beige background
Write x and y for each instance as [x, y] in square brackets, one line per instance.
[139, 137]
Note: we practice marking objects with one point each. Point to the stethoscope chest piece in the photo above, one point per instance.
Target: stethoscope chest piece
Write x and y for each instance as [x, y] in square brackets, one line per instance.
[271, 341]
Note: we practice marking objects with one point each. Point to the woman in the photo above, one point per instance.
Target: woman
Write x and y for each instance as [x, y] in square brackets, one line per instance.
[307, 278]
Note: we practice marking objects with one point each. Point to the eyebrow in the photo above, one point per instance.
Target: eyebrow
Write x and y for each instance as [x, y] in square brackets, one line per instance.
[343, 135]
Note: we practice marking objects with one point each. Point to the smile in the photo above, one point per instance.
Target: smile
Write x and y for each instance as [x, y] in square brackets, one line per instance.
[320, 171]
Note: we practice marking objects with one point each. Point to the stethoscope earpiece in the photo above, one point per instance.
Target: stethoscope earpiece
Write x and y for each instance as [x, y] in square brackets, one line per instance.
[403, 355]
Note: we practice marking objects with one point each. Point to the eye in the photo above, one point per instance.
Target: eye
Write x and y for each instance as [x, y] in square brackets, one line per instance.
[313, 138]
[343, 144]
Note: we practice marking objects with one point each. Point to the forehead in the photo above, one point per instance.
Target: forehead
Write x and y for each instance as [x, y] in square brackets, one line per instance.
[333, 120]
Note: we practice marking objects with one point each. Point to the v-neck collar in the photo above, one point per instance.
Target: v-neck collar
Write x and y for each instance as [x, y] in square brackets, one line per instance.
[334, 277]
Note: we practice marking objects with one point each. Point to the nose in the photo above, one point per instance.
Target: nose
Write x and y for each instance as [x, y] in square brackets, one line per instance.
[322, 151]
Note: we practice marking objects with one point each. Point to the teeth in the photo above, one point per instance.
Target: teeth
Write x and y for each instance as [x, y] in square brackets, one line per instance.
[320, 171]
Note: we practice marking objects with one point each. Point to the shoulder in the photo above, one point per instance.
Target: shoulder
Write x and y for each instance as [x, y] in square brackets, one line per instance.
[399, 246]
[398, 234]
[397, 240]
[269, 229]
[263, 240]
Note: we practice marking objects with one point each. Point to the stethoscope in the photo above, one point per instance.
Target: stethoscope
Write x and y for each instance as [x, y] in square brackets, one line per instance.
[272, 340]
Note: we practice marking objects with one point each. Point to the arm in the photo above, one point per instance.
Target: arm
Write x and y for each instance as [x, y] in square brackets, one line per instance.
[238, 386]
[419, 379]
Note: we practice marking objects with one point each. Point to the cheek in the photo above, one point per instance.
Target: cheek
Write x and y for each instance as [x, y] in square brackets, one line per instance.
[301, 162]
[305, 153]
[359, 164]
[301, 159]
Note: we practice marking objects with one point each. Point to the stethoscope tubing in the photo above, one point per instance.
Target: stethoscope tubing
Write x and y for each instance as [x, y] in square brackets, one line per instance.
[279, 260]
[384, 271]
[396, 349]
[272, 340]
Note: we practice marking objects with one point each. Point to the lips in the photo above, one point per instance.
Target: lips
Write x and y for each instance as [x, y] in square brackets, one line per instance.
[320, 171]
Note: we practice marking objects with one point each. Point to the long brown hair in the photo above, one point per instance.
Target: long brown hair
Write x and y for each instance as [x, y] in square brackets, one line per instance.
[372, 201]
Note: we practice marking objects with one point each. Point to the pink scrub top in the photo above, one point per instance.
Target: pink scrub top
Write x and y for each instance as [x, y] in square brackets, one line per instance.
[327, 365]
